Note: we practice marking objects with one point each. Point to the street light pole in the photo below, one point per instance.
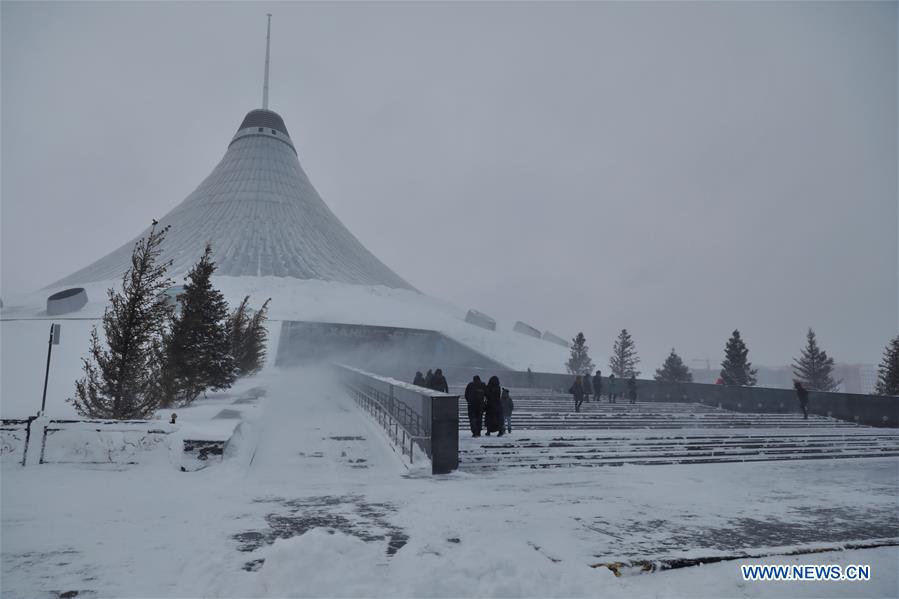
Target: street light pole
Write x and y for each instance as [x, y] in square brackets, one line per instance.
[54, 340]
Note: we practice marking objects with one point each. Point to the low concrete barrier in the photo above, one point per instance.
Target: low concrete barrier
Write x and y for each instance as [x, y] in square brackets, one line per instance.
[100, 441]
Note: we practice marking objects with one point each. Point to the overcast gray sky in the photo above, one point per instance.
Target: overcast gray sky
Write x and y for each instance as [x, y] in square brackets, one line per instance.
[679, 169]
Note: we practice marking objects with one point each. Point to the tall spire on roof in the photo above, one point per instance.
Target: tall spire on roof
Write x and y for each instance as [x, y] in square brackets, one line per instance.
[268, 43]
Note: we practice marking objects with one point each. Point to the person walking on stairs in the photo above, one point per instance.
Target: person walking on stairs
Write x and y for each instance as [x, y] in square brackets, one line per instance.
[632, 389]
[802, 396]
[597, 386]
[475, 395]
[438, 382]
[612, 388]
[577, 390]
[508, 406]
[494, 416]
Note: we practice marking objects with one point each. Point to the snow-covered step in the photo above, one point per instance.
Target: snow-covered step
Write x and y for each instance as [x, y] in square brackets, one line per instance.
[662, 460]
[587, 421]
[561, 451]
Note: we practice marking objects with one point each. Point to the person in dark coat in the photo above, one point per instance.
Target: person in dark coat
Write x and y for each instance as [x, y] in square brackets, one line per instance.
[438, 382]
[597, 385]
[494, 415]
[588, 387]
[577, 390]
[612, 388]
[475, 395]
[508, 406]
[419, 379]
[802, 395]
[632, 388]
[428, 378]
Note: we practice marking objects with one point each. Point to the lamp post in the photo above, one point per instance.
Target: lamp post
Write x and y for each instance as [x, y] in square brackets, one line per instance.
[54, 340]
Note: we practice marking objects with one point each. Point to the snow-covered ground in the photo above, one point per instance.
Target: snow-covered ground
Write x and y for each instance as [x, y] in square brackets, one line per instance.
[310, 501]
[25, 326]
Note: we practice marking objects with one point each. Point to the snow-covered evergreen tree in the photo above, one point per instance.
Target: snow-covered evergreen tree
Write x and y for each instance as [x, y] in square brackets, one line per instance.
[248, 336]
[198, 347]
[814, 369]
[237, 326]
[120, 376]
[674, 370]
[579, 362]
[736, 369]
[624, 359]
[888, 371]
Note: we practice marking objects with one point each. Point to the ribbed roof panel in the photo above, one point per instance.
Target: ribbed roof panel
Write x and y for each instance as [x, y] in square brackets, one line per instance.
[263, 217]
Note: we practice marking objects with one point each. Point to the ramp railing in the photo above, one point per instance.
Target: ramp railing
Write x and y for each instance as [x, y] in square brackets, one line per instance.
[410, 415]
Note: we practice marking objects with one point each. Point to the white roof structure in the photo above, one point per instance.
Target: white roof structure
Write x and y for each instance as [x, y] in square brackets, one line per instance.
[262, 216]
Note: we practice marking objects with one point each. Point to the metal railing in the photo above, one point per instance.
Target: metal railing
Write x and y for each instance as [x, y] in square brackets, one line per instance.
[410, 415]
[402, 424]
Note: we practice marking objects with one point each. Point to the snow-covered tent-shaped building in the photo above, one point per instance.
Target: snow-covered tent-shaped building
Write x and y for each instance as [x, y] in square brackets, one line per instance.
[274, 237]
[262, 216]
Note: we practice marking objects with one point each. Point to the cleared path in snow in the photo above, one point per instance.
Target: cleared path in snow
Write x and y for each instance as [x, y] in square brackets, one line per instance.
[311, 432]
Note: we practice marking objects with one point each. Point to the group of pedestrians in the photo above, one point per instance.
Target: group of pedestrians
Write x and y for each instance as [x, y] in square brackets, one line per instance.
[583, 387]
[489, 407]
[433, 380]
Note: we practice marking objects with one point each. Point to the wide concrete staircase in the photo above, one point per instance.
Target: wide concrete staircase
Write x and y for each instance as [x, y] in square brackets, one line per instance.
[543, 410]
[547, 433]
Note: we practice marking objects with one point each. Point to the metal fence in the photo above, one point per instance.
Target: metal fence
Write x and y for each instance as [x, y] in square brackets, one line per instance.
[402, 424]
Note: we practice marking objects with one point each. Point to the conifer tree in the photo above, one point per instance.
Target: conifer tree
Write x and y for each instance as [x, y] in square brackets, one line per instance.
[624, 358]
[736, 369]
[120, 375]
[579, 362]
[674, 370]
[197, 348]
[888, 371]
[814, 369]
[248, 337]
[237, 324]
